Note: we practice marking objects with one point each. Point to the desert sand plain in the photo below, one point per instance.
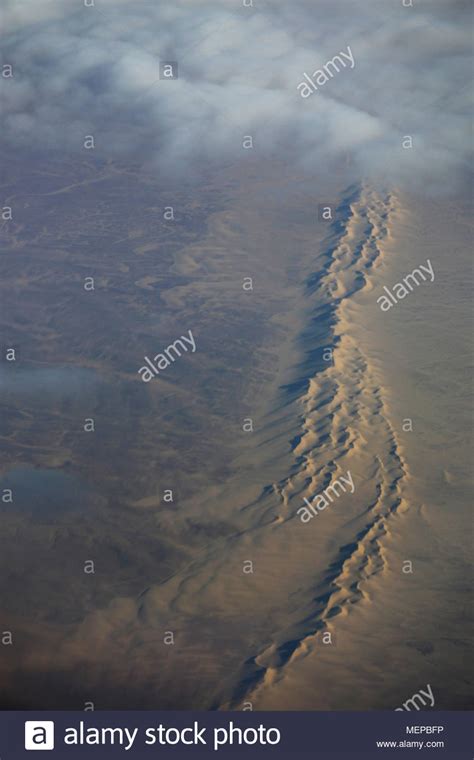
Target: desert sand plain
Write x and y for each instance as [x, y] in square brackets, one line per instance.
[219, 596]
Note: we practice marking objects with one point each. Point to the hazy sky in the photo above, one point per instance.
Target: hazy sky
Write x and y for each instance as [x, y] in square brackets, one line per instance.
[95, 70]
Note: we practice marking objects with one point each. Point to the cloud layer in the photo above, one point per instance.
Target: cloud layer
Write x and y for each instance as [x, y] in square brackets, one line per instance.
[95, 71]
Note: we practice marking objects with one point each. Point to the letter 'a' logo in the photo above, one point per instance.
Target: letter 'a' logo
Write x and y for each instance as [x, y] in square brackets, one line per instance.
[39, 734]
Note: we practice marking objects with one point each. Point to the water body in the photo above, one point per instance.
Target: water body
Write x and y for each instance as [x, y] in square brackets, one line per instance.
[44, 493]
[58, 381]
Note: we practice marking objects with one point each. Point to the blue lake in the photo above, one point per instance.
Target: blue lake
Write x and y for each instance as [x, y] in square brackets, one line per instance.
[45, 492]
[62, 381]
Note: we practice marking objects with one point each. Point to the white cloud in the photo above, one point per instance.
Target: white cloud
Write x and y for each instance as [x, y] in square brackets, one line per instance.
[95, 70]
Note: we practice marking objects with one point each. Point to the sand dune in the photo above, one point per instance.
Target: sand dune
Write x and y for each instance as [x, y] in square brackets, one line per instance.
[261, 636]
